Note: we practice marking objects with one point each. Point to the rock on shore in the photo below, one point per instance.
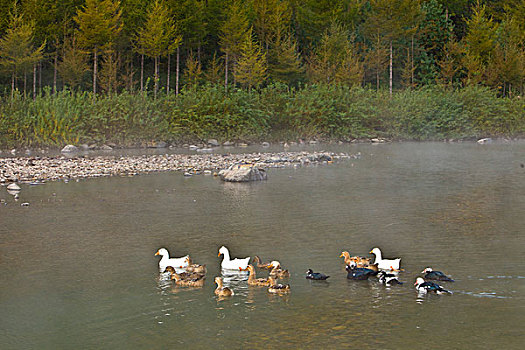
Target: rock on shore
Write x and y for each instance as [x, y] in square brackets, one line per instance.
[35, 169]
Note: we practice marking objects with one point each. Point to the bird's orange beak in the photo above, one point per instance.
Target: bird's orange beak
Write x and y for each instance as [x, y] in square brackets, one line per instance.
[218, 254]
[341, 255]
[370, 252]
[157, 253]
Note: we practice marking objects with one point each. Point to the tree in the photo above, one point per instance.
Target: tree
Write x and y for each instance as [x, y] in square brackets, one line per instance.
[157, 37]
[506, 65]
[335, 59]
[98, 25]
[74, 64]
[17, 52]
[479, 42]
[272, 19]
[435, 31]
[193, 71]
[284, 61]
[251, 66]
[109, 72]
[233, 35]
[388, 21]
[450, 63]
[213, 71]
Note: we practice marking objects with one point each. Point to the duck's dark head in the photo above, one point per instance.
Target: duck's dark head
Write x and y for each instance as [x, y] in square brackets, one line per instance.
[309, 272]
[427, 270]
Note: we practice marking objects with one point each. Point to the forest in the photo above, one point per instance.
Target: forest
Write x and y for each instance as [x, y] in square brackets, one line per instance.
[133, 71]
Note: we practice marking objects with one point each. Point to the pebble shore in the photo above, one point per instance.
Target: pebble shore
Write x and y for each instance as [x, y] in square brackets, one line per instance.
[41, 169]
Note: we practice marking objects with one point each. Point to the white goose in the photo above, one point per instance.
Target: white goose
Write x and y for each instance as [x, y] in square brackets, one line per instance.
[166, 261]
[235, 264]
[385, 264]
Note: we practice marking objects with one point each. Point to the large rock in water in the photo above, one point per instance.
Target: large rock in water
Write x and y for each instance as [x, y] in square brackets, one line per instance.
[243, 173]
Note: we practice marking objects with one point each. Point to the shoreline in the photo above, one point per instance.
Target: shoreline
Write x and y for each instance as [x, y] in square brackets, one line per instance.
[40, 169]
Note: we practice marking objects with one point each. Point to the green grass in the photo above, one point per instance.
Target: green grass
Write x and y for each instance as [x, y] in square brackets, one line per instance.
[272, 113]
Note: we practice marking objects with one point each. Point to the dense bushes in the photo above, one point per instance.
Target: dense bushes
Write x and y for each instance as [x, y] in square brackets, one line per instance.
[275, 112]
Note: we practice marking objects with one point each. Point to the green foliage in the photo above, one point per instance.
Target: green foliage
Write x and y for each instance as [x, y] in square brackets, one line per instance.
[73, 66]
[274, 112]
[98, 23]
[250, 70]
[335, 60]
[17, 52]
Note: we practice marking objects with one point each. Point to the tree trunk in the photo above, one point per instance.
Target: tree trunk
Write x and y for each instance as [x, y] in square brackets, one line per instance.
[177, 70]
[40, 77]
[55, 68]
[226, 73]
[142, 73]
[199, 52]
[13, 84]
[131, 74]
[390, 82]
[412, 64]
[156, 77]
[95, 73]
[25, 83]
[168, 78]
[34, 81]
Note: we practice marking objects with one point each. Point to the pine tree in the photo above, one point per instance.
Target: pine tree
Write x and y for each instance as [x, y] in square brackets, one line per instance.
[335, 60]
[250, 70]
[479, 41]
[233, 35]
[193, 71]
[157, 37]
[451, 63]
[213, 71]
[98, 26]
[284, 61]
[272, 19]
[74, 65]
[110, 66]
[17, 51]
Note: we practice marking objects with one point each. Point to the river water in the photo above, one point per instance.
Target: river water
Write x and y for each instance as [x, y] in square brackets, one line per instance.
[78, 268]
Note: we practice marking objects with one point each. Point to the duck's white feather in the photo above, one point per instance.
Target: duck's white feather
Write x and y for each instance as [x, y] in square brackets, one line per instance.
[166, 261]
[385, 264]
[235, 264]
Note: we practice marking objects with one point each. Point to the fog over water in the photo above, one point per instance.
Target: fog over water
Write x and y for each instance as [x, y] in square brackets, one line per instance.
[78, 268]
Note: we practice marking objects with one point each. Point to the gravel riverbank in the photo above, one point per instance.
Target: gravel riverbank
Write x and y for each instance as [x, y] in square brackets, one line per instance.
[39, 169]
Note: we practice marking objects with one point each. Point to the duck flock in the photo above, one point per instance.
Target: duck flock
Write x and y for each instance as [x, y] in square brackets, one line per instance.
[184, 273]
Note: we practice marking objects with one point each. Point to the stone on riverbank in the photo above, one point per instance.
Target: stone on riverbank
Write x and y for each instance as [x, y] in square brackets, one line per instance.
[13, 187]
[213, 143]
[69, 149]
[243, 173]
[485, 140]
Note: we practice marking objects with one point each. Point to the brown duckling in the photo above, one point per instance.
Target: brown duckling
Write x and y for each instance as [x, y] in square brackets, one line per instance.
[184, 275]
[277, 288]
[195, 267]
[277, 271]
[253, 280]
[359, 260]
[260, 264]
[193, 282]
[222, 291]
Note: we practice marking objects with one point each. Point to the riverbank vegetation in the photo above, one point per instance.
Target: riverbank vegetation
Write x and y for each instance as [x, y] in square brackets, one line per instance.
[275, 112]
[131, 72]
